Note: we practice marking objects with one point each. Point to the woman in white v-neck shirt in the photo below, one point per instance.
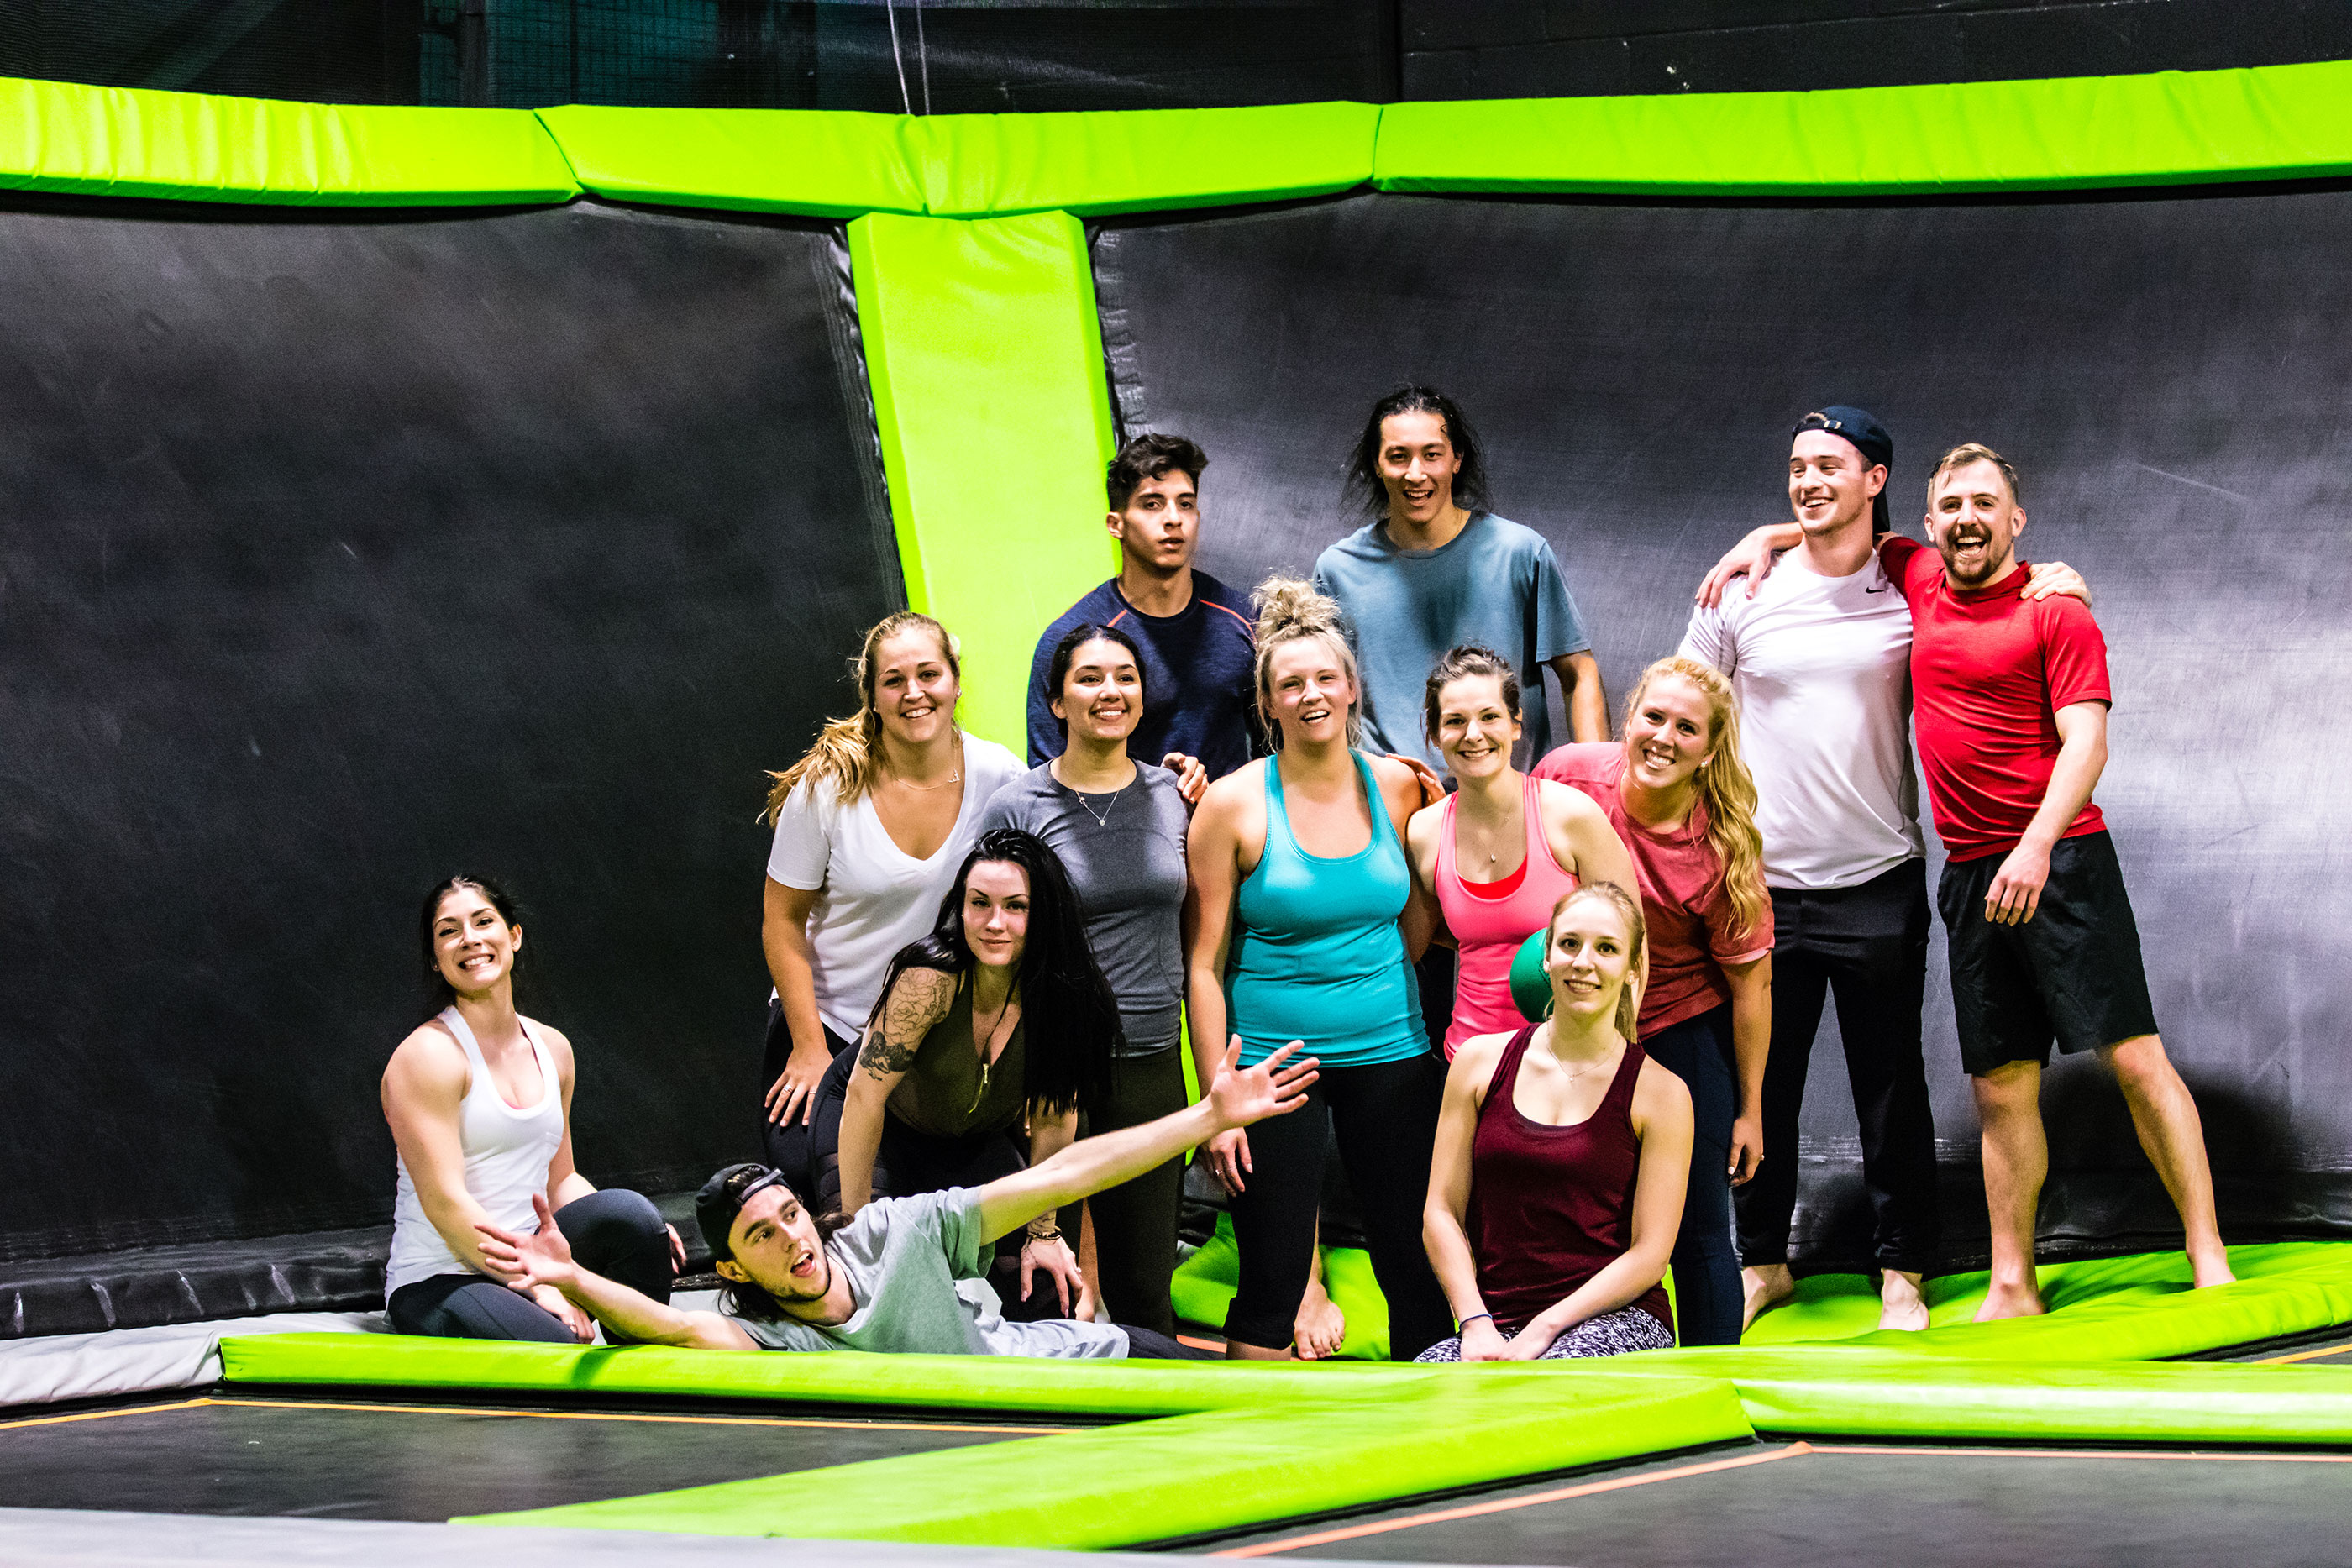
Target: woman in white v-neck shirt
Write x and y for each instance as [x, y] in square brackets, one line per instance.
[871, 825]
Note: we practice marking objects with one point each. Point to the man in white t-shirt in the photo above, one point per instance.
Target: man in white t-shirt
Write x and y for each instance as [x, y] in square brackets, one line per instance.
[1819, 654]
[907, 1274]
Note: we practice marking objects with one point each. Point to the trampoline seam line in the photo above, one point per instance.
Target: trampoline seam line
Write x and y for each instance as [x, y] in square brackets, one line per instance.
[2305, 1355]
[1989, 1453]
[103, 1414]
[607, 1416]
[1505, 1505]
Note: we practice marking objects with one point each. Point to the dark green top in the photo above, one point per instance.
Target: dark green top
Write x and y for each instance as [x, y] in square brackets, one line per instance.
[947, 1094]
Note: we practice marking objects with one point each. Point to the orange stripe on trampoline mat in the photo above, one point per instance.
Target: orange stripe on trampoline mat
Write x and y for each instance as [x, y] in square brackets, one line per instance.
[1504, 1505]
[2325, 1350]
[103, 1415]
[2083, 1454]
[623, 1416]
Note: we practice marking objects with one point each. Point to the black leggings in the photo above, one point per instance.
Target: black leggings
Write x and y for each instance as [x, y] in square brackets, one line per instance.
[1134, 1222]
[787, 1144]
[615, 1233]
[1384, 1119]
[1707, 1265]
[1150, 1344]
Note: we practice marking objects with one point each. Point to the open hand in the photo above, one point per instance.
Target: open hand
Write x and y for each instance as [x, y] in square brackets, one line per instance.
[794, 1089]
[676, 1251]
[1192, 775]
[526, 1263]
[1751, 558]
[2016, 889]
[2046, 577]
[1274, 1087]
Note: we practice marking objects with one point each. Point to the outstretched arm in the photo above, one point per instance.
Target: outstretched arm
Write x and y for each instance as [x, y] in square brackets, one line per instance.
[1237, 1096]
[544, 1261]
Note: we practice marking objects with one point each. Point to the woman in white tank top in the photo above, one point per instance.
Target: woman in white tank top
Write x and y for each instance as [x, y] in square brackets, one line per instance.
[480, 1100]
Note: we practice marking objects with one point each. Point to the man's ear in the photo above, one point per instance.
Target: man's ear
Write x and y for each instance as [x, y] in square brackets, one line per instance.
[1115, 524]
[2017, 521]
[730, 1269]
[1875, 480]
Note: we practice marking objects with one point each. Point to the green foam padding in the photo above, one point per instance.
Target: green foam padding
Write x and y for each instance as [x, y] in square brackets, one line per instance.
[1218, 1471]
[1868, 1390]
[985, 357]
[2137, 1308]
[821, 162]
[2170, 128]
[131, 142]
[1530, 987]
[1140, 159]
[1203, 1287]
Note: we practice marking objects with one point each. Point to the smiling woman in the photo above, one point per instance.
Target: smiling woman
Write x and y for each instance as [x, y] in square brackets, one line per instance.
[480, 1099]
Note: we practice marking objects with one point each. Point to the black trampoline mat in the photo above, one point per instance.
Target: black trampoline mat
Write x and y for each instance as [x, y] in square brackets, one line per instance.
[420, 1462]
[1877, 1506]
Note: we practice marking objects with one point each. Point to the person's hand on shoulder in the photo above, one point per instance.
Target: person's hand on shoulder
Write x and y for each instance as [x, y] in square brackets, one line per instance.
[1432, 788]
[1752, 558]
[1192, 775]
[2047, 579]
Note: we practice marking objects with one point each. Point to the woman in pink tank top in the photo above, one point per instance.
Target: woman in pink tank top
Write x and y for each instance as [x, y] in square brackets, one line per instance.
[1503, 849]
[1556, 1187]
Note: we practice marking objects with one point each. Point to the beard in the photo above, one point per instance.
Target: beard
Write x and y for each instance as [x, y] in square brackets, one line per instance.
[1989, 565]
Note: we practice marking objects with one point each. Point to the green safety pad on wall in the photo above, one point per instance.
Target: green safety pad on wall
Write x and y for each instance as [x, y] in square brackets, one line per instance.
[1220, 1470]
[822, 162]
[2171, 127]
[129, 142]
[1140, 160]
[1203, 1287]
[985, 355]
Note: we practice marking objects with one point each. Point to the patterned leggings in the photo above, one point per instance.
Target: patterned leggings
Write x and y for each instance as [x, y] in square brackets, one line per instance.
[1611, 1333]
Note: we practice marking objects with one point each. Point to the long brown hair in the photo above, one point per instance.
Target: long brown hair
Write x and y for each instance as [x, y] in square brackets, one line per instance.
[1724, 787]
[846, 750]
[1629, 1000]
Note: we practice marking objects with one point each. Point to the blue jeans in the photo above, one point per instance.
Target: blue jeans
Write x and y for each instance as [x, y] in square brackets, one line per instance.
[1706, 1266]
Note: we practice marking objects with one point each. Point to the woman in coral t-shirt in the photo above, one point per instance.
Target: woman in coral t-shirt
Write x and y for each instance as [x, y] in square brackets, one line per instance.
[1680, 798]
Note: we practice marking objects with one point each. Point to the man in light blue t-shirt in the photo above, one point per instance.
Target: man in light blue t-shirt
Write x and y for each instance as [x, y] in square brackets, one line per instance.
[1435, 570]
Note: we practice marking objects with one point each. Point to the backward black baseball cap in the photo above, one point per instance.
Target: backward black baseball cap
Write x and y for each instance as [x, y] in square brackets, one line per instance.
[722, 1199]
[1865, 435]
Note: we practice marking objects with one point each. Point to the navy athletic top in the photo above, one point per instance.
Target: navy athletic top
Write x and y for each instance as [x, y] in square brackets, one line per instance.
[1199, 666]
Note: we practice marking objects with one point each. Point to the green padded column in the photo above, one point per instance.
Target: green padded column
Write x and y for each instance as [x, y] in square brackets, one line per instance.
[986, 360]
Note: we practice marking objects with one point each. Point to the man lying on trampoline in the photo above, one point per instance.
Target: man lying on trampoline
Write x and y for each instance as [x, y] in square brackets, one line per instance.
[907, 1273]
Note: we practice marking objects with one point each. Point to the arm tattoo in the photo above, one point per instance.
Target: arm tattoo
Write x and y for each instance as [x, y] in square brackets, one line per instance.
[919, 998]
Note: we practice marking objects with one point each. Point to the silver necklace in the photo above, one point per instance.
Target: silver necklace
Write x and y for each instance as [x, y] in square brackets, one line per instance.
[1102, 818]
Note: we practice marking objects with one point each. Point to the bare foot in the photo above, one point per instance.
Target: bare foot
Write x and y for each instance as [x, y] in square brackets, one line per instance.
[2022, 1300]
[1320, 1328]
[1900, 1304]
[2211, 1269]
[1763, 1289]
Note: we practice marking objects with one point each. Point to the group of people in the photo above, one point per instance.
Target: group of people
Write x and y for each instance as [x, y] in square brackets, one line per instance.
[1320, 833]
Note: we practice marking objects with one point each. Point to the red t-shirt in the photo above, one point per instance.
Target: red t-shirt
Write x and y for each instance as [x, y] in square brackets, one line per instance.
[1693, 931]
[1989, 673]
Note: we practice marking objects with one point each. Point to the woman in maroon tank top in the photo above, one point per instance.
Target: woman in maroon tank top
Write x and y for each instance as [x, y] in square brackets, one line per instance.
[1562, 1156]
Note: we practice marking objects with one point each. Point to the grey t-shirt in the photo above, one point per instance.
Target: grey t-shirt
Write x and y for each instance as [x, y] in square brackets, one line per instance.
[914, 1268]
[1495, 582]
[1128, 871]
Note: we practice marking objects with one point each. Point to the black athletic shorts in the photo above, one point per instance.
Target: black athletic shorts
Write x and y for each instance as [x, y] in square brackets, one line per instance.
[2072, 971]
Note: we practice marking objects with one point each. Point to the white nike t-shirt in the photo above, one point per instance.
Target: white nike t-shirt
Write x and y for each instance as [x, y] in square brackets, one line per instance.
[1823, 669]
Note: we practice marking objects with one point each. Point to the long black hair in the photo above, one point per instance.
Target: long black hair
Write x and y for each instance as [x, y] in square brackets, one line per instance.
[1364, 467]
[1069, 1017]
[1065, 654]
[439, 992]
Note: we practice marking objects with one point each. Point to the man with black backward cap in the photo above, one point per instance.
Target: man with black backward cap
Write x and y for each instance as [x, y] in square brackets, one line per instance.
[1819, 656]
[907, 1274]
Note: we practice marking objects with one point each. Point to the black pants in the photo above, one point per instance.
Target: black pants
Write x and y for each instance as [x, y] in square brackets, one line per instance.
[615, 1233]
[1151, 1344]
[1867, 947]
[1707, 1267]
[1384, 1119]
[1134, 1222]
[787, 1144]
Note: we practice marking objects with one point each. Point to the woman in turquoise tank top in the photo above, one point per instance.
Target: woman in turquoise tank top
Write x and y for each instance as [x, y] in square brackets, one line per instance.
[1306, 926]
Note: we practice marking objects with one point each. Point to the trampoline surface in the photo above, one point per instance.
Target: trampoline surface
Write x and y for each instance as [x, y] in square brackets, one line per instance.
[1853, 1505]
[344, 1459]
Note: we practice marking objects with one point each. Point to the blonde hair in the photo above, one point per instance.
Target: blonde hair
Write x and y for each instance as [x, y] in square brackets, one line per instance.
[1629, 999]
[1289, 611]
[1724, 788]
[846, 751]
[1969, 452]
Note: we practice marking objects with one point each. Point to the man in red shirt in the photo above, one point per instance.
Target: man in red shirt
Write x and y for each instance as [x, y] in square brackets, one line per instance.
[2011, 704]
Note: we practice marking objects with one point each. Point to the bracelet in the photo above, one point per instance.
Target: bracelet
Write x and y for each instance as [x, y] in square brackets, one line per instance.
[1053, 1235]
[1473, 1318]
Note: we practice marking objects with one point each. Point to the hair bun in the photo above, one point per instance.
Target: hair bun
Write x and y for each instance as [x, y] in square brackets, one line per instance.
[1291, 604]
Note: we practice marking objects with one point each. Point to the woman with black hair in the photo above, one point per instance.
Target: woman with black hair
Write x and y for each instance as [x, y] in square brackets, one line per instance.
[480, 1100]
[1117, 827]
[998, 1019]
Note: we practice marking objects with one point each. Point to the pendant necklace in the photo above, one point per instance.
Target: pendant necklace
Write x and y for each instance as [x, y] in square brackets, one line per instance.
[1102, 818]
